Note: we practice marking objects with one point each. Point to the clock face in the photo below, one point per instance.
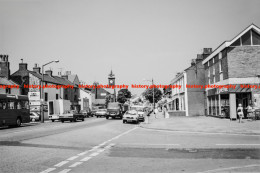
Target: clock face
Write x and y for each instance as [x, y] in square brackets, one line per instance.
[111, 81]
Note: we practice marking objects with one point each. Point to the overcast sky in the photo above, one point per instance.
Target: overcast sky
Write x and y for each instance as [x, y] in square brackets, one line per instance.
[138, 39]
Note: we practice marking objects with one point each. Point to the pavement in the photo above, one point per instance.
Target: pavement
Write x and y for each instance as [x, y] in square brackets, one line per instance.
[202, 124]
[99, 145]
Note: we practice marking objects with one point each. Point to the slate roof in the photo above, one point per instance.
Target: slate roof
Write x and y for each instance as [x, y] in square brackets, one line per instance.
[52, 79]
[5, 81]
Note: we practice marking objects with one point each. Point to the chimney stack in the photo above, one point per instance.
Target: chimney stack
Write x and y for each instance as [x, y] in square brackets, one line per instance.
[22, 66]
[37, 69]
[4, 66]
[48, 72]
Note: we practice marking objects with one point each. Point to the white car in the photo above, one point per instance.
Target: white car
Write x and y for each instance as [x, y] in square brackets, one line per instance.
[131, 116]
[34, 116]
[101, 112]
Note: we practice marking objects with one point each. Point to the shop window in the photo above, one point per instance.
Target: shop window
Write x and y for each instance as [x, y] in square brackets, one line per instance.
[255, 38]
[246, 39]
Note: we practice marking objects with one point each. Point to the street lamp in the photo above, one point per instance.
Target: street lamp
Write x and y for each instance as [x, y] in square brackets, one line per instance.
[42, 116]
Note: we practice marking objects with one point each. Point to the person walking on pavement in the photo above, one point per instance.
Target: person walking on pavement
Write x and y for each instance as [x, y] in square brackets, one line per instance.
[240, 112]
[166, 112]
[155, 112]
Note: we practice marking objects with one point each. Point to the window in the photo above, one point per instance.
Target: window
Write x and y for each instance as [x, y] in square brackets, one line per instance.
[57, 96]
[236, 43]
[46, 97]
[8, 90]
[24, 104]
[246, 39]
[11, 104]
[3, 104]
[220, 66]
[255, 38]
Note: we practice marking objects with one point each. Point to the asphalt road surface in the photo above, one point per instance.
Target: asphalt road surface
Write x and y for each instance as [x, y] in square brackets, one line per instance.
[100, 145]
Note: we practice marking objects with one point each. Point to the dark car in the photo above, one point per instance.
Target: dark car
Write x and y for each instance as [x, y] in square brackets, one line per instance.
[71, 116]
[114, 110]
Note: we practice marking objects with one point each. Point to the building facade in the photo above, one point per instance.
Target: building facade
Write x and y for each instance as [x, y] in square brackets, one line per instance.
[189, 99]
[234, 63]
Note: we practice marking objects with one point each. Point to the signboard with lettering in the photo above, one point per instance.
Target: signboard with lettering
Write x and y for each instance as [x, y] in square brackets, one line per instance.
[34, 96]
[103, 94]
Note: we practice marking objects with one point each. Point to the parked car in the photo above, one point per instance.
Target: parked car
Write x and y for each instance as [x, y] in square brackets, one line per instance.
[71, 116]
[140, 110]
[34, 116]
[85, 113]
[93, 111]
[101, 112]
[131, 116]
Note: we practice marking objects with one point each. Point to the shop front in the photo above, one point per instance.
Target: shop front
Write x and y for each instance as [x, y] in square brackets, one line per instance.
[224, 102]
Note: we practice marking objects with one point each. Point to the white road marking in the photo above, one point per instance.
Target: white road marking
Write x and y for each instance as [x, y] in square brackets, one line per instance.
[145, 144]
[48, 170]
[104, 143]
[83, 153]
[204, 133]
[95, 147]
[93, 154]
[101, 150]
[72, 158]
[85, 159]
[230, 168]
[237, 144]
[61, 163]
[75, 164]
[65, 171]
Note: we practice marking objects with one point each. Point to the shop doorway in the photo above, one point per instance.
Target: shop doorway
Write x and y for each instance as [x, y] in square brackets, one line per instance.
[245, 100]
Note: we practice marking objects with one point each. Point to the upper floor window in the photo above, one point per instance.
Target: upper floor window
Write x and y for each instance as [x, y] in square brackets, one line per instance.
[249, 38]
[220, 66]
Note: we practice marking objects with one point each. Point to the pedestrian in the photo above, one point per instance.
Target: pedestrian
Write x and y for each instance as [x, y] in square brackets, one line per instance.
[155, 112]
[240, 112]
[250, 111]
[166, 112]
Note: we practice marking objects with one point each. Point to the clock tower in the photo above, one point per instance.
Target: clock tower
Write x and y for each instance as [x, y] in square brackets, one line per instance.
[111, 82]
[111, 78]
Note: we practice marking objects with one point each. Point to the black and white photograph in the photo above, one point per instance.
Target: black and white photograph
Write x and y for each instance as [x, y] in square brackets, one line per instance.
[129, 86]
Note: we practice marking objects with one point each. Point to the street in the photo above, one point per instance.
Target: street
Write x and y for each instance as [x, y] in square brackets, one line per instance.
[100, 145]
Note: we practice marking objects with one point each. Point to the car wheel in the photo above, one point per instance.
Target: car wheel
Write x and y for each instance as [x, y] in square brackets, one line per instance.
[18, 122]
[71, 120]
[83, 119]
[62, 121]
[107, 117]
[75, 120]
[52, 120]
[124, 121]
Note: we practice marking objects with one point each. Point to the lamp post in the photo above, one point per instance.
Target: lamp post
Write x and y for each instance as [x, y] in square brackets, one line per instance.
[42, 112]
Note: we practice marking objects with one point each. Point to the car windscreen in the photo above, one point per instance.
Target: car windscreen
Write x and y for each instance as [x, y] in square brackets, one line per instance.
[113, 106]
[137, 109]
[132, 112]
